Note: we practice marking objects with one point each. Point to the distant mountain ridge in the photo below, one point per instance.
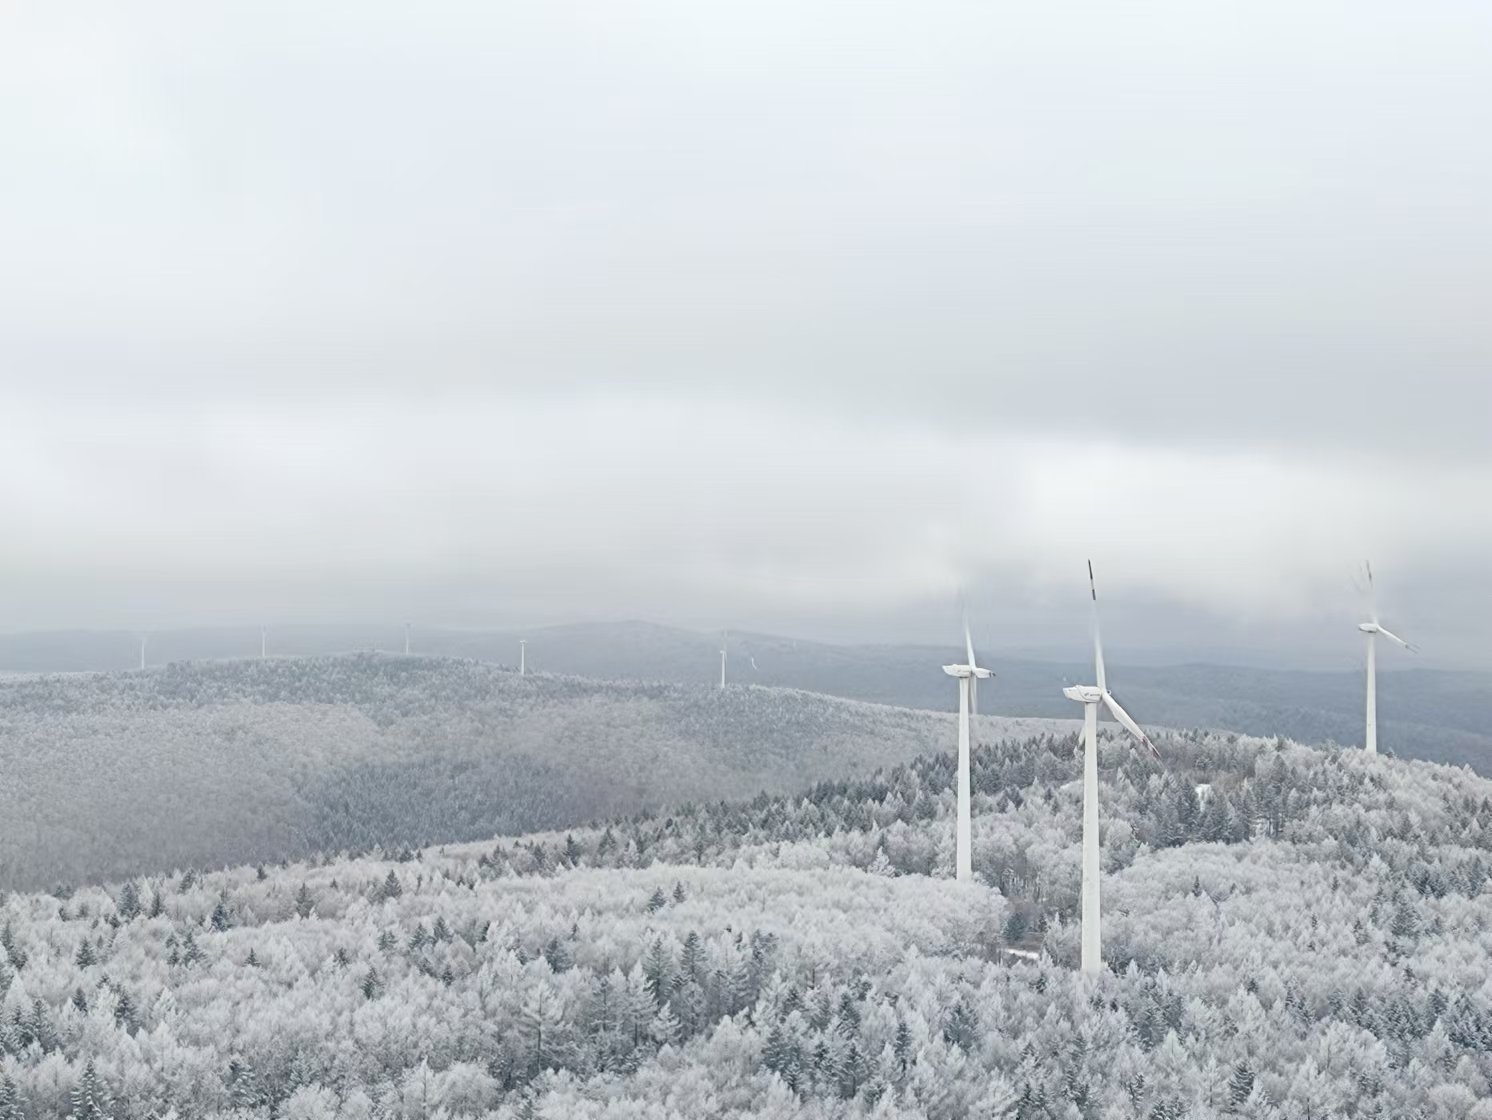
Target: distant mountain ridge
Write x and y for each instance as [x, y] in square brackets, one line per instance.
[1437, 715]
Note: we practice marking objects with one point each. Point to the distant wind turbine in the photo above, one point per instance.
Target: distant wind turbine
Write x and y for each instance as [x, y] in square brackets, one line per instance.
[263, 643]
[967, 674]
[1372, 630]
[523, 657]
[724, 642]
[143, 639]
[406, 639]
[1091, 696]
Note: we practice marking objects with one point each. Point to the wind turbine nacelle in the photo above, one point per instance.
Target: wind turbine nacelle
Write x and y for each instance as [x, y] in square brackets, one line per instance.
[959, 671]
[1369, 627]
[1083, 693]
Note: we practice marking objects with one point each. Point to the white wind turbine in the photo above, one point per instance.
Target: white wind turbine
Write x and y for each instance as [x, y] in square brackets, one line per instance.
[406, 639]
[967, 674]
[523, 657]
[1372, 629]
[1091, 696]
[263, 643]
[144, 638]
[724, 642]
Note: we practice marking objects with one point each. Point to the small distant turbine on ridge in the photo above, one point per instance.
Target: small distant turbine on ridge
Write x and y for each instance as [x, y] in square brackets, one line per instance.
[1372, 629]
[523, 657]
[1091, 696]
[144, 638]
[967, 675]
[724, 642]
[406, 639]
[263, 643]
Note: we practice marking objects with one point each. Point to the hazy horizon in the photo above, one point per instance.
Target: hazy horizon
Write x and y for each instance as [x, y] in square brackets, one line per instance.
[795, 320]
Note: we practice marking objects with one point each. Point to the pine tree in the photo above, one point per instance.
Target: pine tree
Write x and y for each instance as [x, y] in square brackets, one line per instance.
[157, 904]
[13, 951]
[305, 905]
[657, 970]
[371, 985]
[222, 918]
[774, 1050]
[557, 953]
[90, 1101]
[1241, 1084]
[678, 891]
[85, 956]
[692, 965]
[902, 1046]
[125, 1015]
[129, 902]
[391, 888]
[11, 1105]
[657, 902]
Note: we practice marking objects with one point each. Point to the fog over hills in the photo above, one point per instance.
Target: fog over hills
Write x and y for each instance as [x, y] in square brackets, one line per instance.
[213, 763]
[1438, 715]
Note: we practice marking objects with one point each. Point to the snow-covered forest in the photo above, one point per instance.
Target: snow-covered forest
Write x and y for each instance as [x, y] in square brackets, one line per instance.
[1307, 936]
[212, 764]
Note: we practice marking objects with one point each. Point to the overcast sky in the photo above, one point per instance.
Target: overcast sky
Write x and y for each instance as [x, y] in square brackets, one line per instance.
[792, 316]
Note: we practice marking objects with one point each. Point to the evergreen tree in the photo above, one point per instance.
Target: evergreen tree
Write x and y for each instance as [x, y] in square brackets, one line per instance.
[305, 905]
[11, 1105]
[90, 1101]
[128, 905]
[1241, 1084]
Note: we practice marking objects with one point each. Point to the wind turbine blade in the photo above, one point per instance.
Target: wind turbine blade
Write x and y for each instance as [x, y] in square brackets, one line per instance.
[1391, 636]
[1372, 593]
[968, 642]
[1097, 638]
[1129, 725]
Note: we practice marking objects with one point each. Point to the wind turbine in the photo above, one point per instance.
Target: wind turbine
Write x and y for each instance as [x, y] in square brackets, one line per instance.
[263, 643]
[1090, 697]
[724, 641]
[966, 674]
[406, 639]
[523, 657]
[143, 639]
[1372, 630]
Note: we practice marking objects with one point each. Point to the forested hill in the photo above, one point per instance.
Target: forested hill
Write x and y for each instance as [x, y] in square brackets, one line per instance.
[215, 763]
[1436, 715]
[1311, 939]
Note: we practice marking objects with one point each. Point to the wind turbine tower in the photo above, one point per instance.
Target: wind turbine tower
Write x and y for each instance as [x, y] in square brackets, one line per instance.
[724, 642]
[143, 639]
[1091, 697]
[406, 639]
[523, 657]
[966, 674]
[263, 643]
[1372, 629]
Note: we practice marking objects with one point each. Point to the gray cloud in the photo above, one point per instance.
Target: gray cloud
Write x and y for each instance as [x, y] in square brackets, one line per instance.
[755, 313]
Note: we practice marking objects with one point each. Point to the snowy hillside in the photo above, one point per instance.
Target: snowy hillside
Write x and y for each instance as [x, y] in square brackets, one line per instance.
[1313, 938]
[208, 764]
